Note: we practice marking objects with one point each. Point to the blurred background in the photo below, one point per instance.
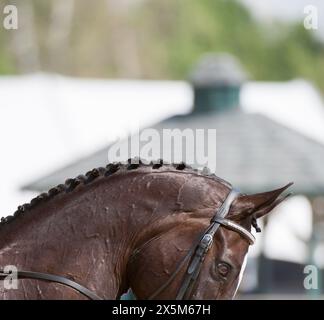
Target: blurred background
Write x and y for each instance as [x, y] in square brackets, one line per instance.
[78, 74]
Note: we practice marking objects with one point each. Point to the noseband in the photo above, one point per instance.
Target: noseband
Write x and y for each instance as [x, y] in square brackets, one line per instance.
[196, 255]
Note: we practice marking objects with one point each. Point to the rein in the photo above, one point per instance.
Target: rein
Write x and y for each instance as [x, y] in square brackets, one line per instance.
[53, 278]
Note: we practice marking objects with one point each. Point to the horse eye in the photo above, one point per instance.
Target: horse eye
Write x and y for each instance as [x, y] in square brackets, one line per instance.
[223, 269]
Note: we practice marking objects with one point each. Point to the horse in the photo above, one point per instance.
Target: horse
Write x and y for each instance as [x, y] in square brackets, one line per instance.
[166, 231]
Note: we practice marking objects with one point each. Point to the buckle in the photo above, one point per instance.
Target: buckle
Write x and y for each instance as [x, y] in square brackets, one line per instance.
[206, 241]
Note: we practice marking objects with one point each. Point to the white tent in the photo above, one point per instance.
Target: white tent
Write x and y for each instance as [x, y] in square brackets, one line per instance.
[50, 120]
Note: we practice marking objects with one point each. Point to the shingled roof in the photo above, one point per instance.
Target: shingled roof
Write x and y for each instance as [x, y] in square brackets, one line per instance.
[254, 153]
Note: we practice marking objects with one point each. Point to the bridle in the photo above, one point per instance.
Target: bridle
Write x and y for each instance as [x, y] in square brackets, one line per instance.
[199, 250]
[196, 255]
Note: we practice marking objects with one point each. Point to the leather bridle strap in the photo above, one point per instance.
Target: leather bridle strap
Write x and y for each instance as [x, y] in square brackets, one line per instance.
[187, 288]
[205, 244]
[201, 247]
[53, 278]
[231, 225]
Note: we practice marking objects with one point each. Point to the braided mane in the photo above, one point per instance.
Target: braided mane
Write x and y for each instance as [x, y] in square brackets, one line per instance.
[110, 169]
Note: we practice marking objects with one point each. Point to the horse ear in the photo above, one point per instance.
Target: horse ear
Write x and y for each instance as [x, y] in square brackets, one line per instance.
[258, 204]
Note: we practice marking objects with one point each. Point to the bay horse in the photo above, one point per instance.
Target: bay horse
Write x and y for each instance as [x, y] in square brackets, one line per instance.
[166, 231]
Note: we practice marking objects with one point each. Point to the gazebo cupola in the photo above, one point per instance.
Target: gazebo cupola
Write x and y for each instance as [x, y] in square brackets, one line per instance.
[216, 80]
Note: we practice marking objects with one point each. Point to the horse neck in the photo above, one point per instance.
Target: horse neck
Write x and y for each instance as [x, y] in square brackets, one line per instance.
[90, 233]
[87, 235]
